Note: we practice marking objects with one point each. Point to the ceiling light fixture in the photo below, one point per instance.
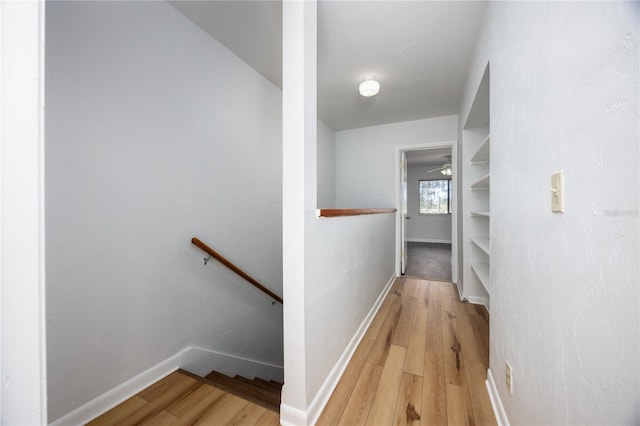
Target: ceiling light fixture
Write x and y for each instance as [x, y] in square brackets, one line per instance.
[369, 88]
[446, 170]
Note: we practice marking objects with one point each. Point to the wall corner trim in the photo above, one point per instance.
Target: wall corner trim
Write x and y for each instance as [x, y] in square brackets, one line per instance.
[326, 390]
[120, 393]
[496, 402]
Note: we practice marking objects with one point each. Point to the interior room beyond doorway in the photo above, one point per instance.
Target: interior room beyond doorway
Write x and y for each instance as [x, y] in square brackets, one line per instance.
[428, 220]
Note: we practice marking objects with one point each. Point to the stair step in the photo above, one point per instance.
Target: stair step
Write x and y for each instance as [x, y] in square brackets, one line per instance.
[246, 389]
[267, 388]
[271, 383]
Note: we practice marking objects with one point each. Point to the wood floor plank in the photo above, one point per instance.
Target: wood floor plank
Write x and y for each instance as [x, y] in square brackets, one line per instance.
[446, 301]
[478, 317]
[223, 410]
[269, 419]
[163, 418]
[458, 410]
[399, 288]
[423, 294]
[381, 346]
[409, 406]
[119, 412]
[376, 323]
[162, 386]
[433, 338]
[413, 285]
[341, 394]
[478, 395]
[470, 348]
[192, 407]
[359, 404]
[248, 416]
[384, 400]
[434, 395]
[452, 349]
[403, 327]
[161, 399]
[416, 347]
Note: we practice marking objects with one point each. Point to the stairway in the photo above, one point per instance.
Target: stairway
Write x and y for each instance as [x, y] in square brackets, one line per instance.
[259, 391]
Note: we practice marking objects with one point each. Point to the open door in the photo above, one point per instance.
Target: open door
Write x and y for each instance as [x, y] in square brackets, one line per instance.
[403, 212]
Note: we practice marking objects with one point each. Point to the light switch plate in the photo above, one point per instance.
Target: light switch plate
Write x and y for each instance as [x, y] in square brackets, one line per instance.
[557, 192]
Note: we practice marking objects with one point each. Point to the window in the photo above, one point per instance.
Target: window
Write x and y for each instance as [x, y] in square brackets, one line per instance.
[435, 196]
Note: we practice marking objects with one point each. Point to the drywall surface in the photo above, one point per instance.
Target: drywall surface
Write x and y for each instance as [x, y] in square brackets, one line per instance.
[564, 301]
[424, 227]
[334, 268]
[326, 166]
[155, 133]
[365, 158]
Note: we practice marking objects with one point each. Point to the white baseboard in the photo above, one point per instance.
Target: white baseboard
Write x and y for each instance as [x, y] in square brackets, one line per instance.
[119, 394]
[428, 240]
[195, 360]
[292, 416]
[496, 402]
[201, 361]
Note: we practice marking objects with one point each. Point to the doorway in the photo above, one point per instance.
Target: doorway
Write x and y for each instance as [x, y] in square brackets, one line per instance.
[427, 207]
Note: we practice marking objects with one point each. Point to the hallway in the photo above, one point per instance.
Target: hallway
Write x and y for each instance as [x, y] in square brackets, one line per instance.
[423, 360]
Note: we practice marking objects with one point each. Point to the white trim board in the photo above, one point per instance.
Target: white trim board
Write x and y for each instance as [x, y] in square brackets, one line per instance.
[428, 240]
[496, 402]
[195, 360]
[292, 416]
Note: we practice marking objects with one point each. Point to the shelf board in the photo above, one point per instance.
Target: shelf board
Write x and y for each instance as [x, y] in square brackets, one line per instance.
[483, 243]
[482, 184]
[482, 213]
[482, 154]
[482, 272]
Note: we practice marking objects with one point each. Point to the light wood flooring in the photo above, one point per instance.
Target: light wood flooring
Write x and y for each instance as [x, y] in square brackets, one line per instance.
[423, 361]
[180, 399]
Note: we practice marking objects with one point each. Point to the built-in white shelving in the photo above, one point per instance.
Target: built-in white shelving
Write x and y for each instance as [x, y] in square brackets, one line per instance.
[475, 189]
[482, 154]
[483, 243]
[482, 272]
[482, 184]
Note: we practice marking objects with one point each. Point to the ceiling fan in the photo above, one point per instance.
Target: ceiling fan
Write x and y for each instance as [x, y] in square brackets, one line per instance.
[445, 169]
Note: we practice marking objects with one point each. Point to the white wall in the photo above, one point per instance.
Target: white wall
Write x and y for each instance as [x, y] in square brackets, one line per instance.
[326, 166]
[564, 302]
[334, 268]
[423, 227]
[365, 158]
[155, 133]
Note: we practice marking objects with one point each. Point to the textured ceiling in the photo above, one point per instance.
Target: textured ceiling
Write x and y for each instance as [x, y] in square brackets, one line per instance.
[420, 52]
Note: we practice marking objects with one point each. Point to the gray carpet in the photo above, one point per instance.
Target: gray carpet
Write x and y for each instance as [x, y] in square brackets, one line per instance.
[429, 260]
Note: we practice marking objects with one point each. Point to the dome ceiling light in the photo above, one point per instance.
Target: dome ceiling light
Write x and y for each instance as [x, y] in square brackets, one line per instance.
[369, 87]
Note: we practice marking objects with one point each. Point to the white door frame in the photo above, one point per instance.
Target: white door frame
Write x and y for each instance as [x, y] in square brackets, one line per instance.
[454, 207]
[23, 393]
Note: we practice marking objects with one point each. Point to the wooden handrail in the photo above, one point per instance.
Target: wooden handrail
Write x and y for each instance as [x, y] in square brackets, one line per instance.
[226, 262]
[351, 212]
